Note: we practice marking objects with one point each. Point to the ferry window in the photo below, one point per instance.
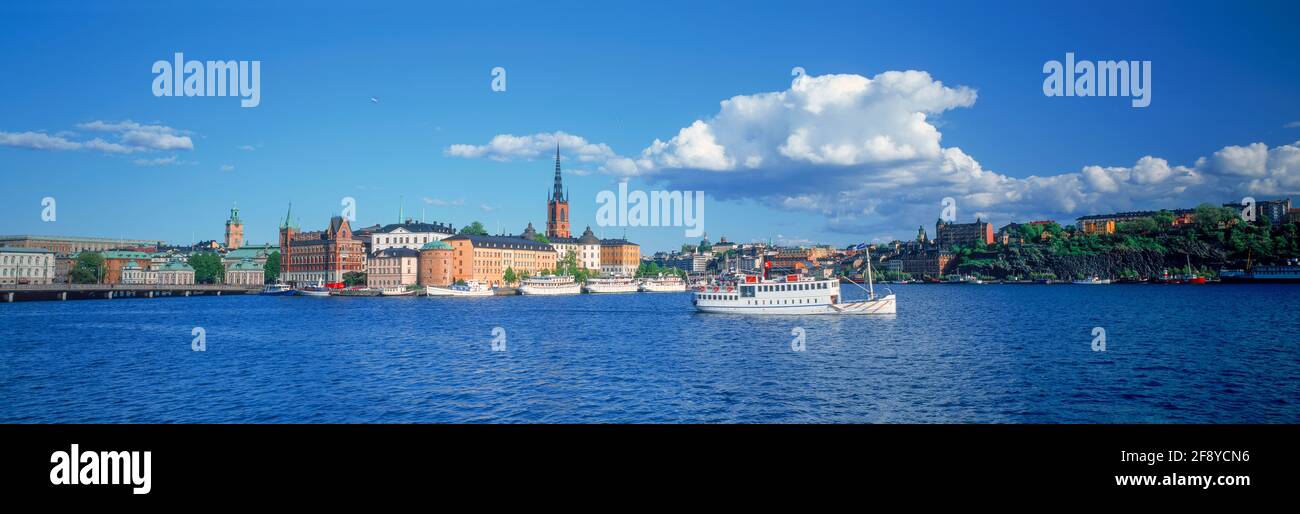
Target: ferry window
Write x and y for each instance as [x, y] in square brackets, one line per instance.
[747, 291]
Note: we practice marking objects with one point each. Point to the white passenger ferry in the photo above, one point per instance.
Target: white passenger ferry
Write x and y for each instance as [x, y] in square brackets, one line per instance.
[663, 285]
[471, 288]
[549, 285]
[790, 294]
[610, 285]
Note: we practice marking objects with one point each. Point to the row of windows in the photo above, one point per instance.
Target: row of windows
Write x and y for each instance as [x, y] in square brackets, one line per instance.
[772, 288]
[25, 259]
[402, 240]
[785, 301]
[22, 272]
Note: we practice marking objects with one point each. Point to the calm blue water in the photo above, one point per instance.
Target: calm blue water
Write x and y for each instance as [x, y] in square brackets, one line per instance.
[953, 354]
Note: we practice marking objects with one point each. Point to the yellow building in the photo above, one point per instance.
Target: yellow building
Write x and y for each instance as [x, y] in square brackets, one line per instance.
[486, 258]
[619, 257]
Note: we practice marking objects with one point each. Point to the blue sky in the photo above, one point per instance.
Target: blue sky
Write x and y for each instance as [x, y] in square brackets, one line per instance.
[1224, 90]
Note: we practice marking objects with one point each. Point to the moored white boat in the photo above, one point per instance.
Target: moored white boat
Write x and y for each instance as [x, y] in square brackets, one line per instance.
[548, 285]
[317, 290]
[471, 288]
[610, 285]
[1094, 281]
[396, 291]
[663, 285]
[278, 289]
[791, 294]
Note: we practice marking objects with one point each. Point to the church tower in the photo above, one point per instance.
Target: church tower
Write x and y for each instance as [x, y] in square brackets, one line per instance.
[557, 208]
[288, 232]
[234, 230]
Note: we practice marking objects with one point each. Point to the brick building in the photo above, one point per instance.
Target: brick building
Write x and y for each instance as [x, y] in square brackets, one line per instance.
[65, 246]
[116, 260]
[930, 262]
[435, 264]
[948, 234]
[322, 256]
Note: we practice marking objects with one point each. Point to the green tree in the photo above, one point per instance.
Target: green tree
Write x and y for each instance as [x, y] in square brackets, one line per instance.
[568, 265]
[89, 268]
[354, 278]
[649, 269]
[509, 276]
[1138, 226]
[474, 229]
[271, 270]
[208, 268]
[1209, 218]
[541, 239]
[1164, 220]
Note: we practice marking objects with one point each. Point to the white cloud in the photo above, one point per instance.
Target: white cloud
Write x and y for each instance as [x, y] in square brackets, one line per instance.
[506, 147]
[37, 141]
[131, 137]
[160, 161]
[830, 120]
[487, 208]
[1294, 124]
[443, 203]
[143, 137]
[227, 167]
[867, 154]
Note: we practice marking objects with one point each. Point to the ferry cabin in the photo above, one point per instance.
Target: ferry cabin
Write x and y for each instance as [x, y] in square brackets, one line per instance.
[807, 296]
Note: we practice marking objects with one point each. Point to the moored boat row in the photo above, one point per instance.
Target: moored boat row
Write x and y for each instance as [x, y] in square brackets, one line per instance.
[544, 285]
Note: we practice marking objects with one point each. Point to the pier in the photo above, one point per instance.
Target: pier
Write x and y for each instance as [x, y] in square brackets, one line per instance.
[30, 292]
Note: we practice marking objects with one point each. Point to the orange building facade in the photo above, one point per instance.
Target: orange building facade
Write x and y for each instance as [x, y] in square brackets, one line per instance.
[619, 257]
[435, 264]
[485, 258]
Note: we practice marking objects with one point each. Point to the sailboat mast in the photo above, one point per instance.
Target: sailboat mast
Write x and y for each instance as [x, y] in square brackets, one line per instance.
[871, 288]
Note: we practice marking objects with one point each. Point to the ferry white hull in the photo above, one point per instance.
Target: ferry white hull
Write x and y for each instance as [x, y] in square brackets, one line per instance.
[396, 292]
[883, 305]
[314, 292]
[550, 291]
[442, 291]
[610, 288]
[663, 288]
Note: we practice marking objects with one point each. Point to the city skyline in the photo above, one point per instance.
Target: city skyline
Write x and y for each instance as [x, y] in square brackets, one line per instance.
[419, 119]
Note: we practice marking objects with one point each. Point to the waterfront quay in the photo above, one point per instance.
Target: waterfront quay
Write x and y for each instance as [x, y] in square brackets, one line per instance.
[30, 292]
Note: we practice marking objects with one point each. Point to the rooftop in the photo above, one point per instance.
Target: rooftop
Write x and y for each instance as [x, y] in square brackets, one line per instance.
[396, 251]
[18, 249]
[417, 227]
[510, 242]
[124, 254]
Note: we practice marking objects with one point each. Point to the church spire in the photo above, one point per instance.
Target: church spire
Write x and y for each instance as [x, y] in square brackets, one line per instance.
[288, 217]
[558, 194]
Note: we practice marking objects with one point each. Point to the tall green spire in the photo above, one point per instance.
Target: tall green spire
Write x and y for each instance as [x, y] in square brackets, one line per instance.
[288, 217]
